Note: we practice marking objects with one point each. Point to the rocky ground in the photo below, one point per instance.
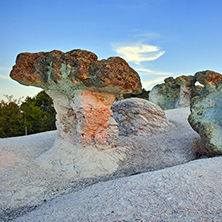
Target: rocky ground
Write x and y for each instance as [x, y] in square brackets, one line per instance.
[188, 192]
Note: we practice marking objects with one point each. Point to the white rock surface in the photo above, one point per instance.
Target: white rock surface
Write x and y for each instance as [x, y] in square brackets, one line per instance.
[189, 192]
[24, 184]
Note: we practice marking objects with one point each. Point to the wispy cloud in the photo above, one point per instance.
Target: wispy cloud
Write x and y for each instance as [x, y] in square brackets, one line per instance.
[147, 84]
[2, 68]
[4, 77]
[148, 71]
[139, 52]
[5, 72]
[144, 37]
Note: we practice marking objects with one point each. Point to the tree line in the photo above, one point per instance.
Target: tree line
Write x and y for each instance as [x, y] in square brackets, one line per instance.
[33, 115]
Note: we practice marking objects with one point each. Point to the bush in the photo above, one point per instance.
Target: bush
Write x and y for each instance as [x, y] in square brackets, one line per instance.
[143, 95]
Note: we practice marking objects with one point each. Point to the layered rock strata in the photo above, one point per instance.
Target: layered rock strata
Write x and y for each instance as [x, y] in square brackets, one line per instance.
[83, 90]
[206, 111]
[137, 116]
[174, 93]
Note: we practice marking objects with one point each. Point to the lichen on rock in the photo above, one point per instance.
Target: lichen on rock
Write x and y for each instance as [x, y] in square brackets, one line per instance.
[76, 69]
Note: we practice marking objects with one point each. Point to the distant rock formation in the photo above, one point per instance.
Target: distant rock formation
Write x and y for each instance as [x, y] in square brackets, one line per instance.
[209, 79]
[83, 90]
[206, 111]
[174, 93]
[138, 116]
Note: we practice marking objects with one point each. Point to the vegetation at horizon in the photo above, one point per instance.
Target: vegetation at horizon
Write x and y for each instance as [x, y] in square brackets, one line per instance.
[33, 115]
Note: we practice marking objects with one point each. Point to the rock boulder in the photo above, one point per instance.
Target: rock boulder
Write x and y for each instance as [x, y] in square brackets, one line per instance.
[206, 111]
[209, 79]
[137, 116]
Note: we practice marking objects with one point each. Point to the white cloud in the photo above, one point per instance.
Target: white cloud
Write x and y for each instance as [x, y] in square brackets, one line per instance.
[152, 72]
[139, 52]
[147, 84]
[4, 77]
[147, 36]
[5, 72]
[2, 68]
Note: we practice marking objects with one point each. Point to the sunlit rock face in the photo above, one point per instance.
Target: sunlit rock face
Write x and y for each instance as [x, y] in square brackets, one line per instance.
[87, 118]
[206, 111]
[174, 93]
[83, 90]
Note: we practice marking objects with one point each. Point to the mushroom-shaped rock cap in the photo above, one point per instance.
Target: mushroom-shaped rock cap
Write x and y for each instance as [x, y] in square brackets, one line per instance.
[186, 80]
[181, 80]
[208, 77]
[77, 69]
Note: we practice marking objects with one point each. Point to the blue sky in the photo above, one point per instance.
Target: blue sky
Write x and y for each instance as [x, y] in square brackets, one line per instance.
[158, 38]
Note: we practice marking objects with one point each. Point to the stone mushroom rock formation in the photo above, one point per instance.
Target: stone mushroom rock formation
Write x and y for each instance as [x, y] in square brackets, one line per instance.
[209, 79]
[205, 117]
[174, 93]
[83, 90]
[137, 116]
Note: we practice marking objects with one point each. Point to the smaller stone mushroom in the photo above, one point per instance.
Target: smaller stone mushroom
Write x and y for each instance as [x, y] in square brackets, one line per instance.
[187, 90]
[83, 90]
[174, 93]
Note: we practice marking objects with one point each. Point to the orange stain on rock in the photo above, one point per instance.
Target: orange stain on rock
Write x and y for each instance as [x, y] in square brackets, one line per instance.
[97, 112]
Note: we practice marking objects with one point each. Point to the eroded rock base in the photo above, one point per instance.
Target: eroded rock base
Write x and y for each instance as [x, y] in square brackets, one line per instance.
[87, 134]
[80, 161]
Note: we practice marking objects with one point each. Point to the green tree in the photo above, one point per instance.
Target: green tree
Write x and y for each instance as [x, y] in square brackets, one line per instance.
[38, 113]
[144, 95]
[10, 119]
[45, 103]
[35, 114]
[32, 115]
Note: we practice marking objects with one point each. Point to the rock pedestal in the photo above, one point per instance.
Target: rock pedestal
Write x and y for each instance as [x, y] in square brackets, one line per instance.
[86, 119]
